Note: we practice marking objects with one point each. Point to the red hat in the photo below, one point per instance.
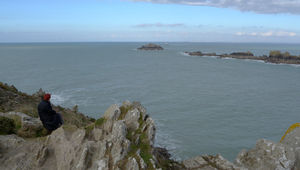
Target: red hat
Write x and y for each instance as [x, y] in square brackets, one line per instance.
[47, 96]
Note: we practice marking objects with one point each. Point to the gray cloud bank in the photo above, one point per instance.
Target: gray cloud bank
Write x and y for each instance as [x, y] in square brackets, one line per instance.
[258, 6]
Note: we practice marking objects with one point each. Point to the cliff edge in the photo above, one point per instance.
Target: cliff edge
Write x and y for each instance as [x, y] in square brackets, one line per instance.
[123, 138]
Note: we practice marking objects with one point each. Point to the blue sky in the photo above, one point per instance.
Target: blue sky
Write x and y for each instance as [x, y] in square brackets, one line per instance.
[146, 20]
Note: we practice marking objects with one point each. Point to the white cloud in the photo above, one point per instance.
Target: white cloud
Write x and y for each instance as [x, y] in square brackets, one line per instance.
[268, 34]
[159, 25]
[258, 6]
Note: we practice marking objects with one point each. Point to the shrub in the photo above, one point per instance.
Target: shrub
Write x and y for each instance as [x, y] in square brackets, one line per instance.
[7, 125]
[99, 122]
[275, 54]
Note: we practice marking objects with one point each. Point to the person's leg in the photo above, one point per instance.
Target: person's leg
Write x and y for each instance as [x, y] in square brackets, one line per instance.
[60, 119]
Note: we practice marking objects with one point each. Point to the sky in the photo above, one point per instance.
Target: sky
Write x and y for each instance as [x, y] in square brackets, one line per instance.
[276, 21]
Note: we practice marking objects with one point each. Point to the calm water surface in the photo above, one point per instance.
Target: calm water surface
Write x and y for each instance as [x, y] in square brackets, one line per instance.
[201, 105]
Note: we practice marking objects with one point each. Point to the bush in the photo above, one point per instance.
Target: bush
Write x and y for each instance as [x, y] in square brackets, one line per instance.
[99, 122]
[7, 125]
[275, 54]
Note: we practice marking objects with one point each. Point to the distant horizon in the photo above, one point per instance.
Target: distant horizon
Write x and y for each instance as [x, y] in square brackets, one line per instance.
[266, 21]
[33, 42]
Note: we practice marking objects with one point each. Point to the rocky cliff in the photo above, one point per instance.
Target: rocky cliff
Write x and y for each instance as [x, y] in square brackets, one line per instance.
[123, 138]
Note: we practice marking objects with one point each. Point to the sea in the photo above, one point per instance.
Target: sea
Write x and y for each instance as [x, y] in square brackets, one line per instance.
[200, 105]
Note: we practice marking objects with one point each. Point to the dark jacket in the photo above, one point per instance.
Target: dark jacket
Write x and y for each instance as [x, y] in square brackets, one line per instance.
[48, 115]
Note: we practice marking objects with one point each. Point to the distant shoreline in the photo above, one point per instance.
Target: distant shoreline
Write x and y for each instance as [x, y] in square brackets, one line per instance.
[275, 57]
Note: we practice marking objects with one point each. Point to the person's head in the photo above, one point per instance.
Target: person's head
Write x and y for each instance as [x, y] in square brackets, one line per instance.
[47, 96]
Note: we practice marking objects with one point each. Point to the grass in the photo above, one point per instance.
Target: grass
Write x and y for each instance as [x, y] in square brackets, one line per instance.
[7, 87]
[41, 132]
[17, 121]
[124, 111]
[100, 122]
[143, 144]
[89, 129]
[28, 110]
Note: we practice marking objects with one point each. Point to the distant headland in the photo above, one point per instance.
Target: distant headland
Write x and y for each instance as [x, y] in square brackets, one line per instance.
[274, 56]
[150, 46]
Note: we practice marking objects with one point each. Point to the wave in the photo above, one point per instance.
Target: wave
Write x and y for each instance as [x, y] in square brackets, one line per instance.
[259, 61]
[284, 64]
[185, 54]
[57, 99]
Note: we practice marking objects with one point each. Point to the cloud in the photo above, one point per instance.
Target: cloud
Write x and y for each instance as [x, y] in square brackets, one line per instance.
[268, 34]
[159, 25]
[258, 6]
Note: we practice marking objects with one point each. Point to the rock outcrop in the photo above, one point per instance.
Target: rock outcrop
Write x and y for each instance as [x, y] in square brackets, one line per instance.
[150, 46]
[266, 155]
[12, 100]
[123, 138]
[274, 57]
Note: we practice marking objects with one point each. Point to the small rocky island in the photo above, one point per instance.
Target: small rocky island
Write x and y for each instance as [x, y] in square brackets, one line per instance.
[122, 139]
[274, 56]
[150, 46]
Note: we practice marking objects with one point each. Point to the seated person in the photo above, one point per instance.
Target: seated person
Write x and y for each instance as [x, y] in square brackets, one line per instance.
[50, 119]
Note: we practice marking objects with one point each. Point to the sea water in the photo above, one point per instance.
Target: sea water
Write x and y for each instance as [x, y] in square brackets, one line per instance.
[201, 105]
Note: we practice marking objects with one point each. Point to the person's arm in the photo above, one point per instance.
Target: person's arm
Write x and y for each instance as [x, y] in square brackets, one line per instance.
[50, 110]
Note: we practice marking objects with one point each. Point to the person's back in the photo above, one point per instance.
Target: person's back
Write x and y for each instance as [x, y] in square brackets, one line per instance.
[50, 119]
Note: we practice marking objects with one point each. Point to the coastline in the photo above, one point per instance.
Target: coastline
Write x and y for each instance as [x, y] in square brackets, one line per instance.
[275, 57]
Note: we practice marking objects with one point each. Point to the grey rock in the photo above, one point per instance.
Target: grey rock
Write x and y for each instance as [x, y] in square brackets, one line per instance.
[292, 139]
[132, 164]
[29, 125]
[102, 164]
[120, 145]
[132, 119]
[150, 130]
[97, 133]
[220, 162]
[112, 113]
[10, 141]
[196, 162]
[42, 155]
[267, 155]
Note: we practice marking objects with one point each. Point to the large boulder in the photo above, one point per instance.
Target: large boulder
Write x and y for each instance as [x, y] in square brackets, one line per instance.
[112, 113]
[267, 155]
[24, 125]
[292, 139]
[208, 162]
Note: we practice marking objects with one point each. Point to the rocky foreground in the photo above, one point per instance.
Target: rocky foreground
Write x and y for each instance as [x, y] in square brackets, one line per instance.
[123, 138]
[275, 57]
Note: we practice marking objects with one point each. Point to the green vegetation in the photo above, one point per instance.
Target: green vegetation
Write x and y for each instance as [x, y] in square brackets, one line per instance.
[124, 110]
[284, 56]
[7, 126]
[99, 122]
[89, 129]
[28, 110]
[17, 121]
[8, 88]
[143, 144]
[41, 132]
